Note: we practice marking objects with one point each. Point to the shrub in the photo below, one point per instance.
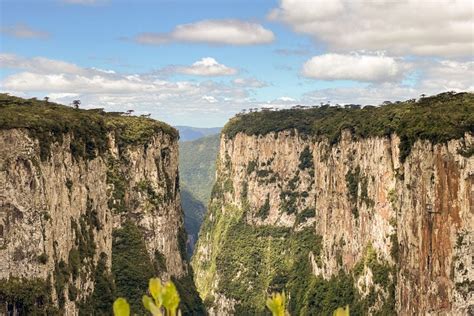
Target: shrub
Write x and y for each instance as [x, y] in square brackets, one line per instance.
[43, 258]
[251, 166]
[265, 209]
[304, 215]
[306, 159]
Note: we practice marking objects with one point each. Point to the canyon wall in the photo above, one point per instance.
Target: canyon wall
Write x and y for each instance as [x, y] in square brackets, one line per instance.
[78, 230]
[339, 223]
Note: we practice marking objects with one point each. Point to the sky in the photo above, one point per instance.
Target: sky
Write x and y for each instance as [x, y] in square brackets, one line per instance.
[198, 63]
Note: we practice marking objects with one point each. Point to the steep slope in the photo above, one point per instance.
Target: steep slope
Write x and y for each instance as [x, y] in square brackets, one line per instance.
[369, 207]
[90, 209]
[197, 171]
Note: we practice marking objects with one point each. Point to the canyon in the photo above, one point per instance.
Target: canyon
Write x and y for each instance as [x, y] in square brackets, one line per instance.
[371, 207]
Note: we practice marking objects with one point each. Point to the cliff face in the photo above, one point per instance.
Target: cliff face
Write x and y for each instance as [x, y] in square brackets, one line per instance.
[336, 224]
[79, 231]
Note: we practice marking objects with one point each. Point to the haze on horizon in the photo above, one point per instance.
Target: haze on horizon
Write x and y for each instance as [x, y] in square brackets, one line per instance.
[197, 63]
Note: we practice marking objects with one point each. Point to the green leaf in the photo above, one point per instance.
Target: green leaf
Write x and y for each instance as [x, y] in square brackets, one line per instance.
[150, 306]
[170, 298]
[121, 307]
[276, 304]
[341, 311]
[156, 289]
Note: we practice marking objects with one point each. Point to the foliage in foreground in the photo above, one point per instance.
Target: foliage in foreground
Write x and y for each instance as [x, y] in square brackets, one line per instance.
[164, 301]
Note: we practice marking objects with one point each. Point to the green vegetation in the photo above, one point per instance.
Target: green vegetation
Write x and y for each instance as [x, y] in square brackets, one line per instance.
[84, 234]
[265, 209]
[27, 296]
[288, 201]
[164, 300]
[194, 211]
[306, 159]
[132, 268]
[104, 288]
[354, 179]
[191, 303]
[251, 261]
[131, 265]
[145, 187]
[438, 119]
[303, 216]
[43, 258]
[61, 277]
[197, 170]
[251, 167]
[277, 304]
[48, 122]
[116, 178]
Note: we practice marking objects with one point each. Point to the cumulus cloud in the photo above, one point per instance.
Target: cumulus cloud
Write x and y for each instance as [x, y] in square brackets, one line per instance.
[434, 28]
[207, 66]
[225, 32]
[353, 67]
[435, 77]
[24, 31]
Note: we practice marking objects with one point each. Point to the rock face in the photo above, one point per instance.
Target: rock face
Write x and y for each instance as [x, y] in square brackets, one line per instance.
[82, 230]
[337, 224]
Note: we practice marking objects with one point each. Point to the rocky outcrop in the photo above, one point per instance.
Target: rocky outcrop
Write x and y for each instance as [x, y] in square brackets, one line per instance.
[339, 223]
[81, 229]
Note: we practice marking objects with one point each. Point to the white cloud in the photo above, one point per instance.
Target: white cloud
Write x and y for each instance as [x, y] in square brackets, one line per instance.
[433, 28]
[249, 82]
[38, 64]
[353, 67]
[286, 99]
[435, 77]
[207, 66]
[209, 98]
[24, 31]
[58, 97]
[448, 75]
[227, 32]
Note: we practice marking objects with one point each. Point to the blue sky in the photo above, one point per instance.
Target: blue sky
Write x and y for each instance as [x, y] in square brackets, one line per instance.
[199, 62]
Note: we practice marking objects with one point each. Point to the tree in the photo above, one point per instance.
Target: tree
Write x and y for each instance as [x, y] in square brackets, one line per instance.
[46, 99]
[76, 103]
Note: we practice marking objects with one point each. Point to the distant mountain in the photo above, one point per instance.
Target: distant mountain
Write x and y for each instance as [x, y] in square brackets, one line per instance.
[188, 133]
[197, 172]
